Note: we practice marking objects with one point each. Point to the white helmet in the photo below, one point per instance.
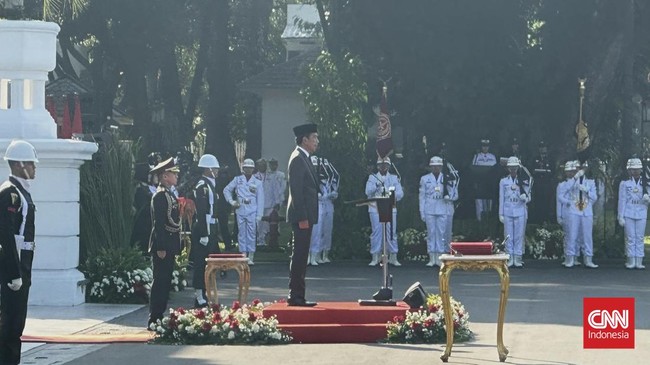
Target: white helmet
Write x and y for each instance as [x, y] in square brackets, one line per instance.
[383, 160]
[634, 163]
[570, 166]
[513, 161]
[435, 161]
[19, 150]
[209, 162]
[248, 163]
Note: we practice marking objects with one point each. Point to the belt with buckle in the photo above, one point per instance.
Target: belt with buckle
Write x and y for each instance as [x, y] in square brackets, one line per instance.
[246, 201]
[28, 246]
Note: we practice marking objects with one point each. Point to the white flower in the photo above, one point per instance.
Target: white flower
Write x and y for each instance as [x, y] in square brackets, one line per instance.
[190, 330]
[255, 328]
[231, 335]
[180, 328]
[184, 282]
[225, 326]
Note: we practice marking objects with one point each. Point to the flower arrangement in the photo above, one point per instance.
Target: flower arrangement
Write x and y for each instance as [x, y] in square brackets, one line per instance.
[125, 276]
[427, 325]
[545, 243]
[220, 325]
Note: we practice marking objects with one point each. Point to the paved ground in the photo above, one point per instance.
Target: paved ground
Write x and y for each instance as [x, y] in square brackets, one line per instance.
[543, 319]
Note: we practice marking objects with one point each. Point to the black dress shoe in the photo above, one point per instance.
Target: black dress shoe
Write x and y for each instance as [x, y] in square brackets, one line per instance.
[300, 303]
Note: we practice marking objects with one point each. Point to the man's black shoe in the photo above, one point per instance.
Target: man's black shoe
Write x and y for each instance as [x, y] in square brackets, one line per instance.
[300, 303]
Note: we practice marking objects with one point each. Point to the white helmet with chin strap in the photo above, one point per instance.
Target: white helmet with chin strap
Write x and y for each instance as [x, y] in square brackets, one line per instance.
[208, 161]
[22, 151]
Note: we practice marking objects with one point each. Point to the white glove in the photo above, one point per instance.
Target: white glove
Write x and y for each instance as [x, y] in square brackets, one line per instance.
[258, 218]
[15, 284]
[583, 187]
[502, 219]
[580, 173]
[334, 195]
[523, 197]
[646, 198]
[621, 222]
[447, 197]
[204, 240]
[423, 217]
[235, 204]
[560, 220]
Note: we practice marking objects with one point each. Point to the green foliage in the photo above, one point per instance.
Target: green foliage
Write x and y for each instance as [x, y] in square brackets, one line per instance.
[106, 199]
[412, 244]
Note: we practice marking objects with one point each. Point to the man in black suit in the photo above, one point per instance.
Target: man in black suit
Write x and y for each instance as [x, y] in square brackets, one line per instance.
[165, 240]
[302, 209]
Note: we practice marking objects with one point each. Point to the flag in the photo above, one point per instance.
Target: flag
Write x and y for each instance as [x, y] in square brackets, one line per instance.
[384, 144]
[76, 119]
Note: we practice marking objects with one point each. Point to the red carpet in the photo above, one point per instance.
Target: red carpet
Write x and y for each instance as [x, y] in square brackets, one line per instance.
[141, 337]
[335, 322]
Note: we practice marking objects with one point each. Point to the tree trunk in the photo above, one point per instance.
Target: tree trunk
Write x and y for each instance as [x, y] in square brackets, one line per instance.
[221, 88]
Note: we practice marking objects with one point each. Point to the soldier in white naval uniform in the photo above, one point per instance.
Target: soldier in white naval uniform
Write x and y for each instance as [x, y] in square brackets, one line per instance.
[578, 197]
[514, 194]
[381, 184]
[249, 204]
[561, 209]
[321, 241]
[436, 195]
[633, 200]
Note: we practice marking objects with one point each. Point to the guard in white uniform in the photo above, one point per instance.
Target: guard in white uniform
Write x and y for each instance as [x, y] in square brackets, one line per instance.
[381, 184]
[514, 194]
[562, 206]
[633, 200]
[316, 231]
[578, 197]
[249, 203]
[329, 191]
[483, 158]
[436, 195]
[281, 180]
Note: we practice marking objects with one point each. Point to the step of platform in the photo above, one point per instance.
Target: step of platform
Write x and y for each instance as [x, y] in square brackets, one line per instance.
[335, 322]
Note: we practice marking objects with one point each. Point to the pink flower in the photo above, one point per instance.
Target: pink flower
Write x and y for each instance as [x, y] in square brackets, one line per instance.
[256, 301]
[236, 305]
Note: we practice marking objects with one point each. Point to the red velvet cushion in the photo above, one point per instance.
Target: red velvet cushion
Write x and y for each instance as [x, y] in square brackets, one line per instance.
[471, 248]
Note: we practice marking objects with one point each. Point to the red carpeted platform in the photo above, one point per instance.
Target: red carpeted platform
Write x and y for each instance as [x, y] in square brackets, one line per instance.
[335, 322]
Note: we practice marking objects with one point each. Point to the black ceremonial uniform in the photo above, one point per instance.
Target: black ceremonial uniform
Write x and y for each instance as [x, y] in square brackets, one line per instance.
[16, 223]
[165, 236]
[205, 225]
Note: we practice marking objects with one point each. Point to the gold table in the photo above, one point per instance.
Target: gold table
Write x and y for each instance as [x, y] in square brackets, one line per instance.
[214, 265]
[497, 262]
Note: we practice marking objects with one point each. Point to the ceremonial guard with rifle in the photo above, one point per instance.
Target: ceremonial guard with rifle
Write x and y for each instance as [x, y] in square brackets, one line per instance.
[205, 228]
[578, 197]
[437, 192]
[633, 200]
[381, 184]
[246, 193]
[321, 234]
[17, 231]
[514, 195]
[562, 208]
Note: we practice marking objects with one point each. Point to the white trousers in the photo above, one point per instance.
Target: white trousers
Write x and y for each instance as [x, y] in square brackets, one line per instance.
[263, 228]
[327, 220]
[580, 235]
[376, 234]
[437, 240]
[634, 232]
[515, 227]
[247, 229]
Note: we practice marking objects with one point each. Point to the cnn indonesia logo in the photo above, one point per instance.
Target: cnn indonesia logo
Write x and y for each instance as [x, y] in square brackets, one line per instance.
[608, 323]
